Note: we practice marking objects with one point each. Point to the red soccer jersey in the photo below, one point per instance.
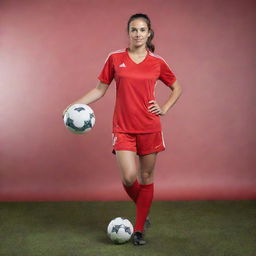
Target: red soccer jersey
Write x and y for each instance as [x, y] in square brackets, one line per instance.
[135, 87]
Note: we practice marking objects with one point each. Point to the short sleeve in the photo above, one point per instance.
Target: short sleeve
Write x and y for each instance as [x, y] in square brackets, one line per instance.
[166, 74]
[107, 74]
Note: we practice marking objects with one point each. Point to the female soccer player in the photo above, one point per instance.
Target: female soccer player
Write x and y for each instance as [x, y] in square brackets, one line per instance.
[136, 121]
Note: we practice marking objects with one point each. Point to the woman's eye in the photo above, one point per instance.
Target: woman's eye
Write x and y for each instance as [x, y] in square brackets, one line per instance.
[143, 30]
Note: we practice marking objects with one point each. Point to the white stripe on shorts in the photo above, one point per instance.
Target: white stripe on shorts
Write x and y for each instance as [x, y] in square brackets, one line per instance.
[163, 138]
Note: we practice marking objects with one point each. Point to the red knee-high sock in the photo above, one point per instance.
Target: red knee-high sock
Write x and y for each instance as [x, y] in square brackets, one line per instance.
[143, 205]
[133, 190]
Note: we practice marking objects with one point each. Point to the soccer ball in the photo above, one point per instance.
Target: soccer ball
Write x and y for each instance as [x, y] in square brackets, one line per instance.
[79, 118]
[120, 230]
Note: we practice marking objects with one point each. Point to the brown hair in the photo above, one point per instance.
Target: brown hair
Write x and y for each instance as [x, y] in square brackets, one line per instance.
[150, 46]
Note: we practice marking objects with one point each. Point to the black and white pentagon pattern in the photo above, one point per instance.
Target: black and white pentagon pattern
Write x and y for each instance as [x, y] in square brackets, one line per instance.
[117, 227]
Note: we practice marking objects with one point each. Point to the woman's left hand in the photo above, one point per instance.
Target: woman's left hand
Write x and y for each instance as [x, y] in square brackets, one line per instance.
[155, 108]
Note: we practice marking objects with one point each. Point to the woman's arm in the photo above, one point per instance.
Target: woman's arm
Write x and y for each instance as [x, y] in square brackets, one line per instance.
[92, 96]
[176, 93]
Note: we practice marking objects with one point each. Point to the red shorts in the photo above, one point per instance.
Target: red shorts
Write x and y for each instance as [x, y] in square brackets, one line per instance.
[142, 144]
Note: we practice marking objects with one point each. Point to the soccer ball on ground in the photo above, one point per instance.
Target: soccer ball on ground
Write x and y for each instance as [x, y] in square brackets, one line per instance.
[79, 118]
[120, 230]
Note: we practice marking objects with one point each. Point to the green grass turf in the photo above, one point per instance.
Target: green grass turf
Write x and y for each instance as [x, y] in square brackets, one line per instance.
[207, 228]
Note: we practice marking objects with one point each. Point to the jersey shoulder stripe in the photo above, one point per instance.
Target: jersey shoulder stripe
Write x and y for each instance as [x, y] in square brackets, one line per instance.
[159, 57]
[155, 55]
[114, 52]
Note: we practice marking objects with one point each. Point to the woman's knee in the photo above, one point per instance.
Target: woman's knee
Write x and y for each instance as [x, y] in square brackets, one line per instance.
[128, 180]
[127, 165]
[146, 170]
[147, 177]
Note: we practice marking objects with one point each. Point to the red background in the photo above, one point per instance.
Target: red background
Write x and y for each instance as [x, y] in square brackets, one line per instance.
[51, 53]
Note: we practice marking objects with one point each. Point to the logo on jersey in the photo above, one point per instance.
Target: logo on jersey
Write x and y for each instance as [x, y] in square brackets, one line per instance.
[122, 65]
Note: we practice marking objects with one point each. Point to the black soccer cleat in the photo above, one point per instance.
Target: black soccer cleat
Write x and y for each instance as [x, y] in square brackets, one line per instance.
[138, 238]
[147, 223]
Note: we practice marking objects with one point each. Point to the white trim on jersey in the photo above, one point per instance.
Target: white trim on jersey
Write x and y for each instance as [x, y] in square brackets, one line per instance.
[159, 57]
[117, 51]
[155, 89]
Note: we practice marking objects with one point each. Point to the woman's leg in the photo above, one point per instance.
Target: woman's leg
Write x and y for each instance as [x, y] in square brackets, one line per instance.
[126, 161]
[145, 196]
[146, 168]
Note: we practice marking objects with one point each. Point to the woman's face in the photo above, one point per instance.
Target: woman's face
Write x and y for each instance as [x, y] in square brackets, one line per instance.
[138, 32]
